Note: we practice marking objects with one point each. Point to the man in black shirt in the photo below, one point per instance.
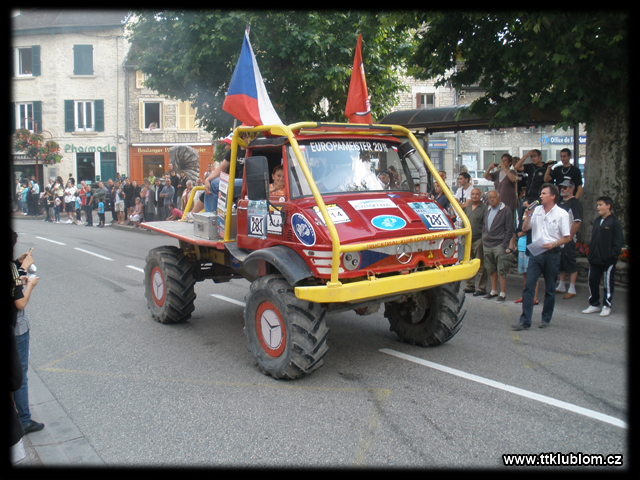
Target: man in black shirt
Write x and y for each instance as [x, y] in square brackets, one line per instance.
[535, 173]
[568, 264]
[565, 171]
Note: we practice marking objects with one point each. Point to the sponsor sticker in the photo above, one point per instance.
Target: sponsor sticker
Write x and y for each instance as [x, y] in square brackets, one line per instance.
[431, 216]
[303, 229]
[257, 219]
[335, 212]
[372, 204]
[388, 222]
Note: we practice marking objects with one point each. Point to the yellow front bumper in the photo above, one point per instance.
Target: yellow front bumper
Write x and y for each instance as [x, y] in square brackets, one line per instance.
[374, 287]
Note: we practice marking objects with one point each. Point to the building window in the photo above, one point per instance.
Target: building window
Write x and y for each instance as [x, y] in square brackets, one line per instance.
[425, 100]
[84, 115]
[84, 119]
[83, 59]
[186, 116]
[150, 116]
[86, 167]
[25, 116]
[26, 61]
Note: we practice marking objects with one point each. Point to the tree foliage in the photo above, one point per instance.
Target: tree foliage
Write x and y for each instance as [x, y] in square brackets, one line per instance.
[575, 62]
[305, 59]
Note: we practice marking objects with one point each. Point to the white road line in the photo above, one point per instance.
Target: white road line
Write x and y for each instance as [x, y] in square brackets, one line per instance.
[94, 254]
[49, 240]
[507, 388]
[227, 299]
[136, 268]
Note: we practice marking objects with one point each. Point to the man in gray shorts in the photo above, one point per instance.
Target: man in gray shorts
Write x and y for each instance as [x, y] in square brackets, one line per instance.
[496, 236]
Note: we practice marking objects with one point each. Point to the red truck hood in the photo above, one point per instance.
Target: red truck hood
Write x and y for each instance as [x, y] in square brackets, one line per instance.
[362, 218]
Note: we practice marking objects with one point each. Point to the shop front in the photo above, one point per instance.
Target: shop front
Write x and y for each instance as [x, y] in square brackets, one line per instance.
[144, 158]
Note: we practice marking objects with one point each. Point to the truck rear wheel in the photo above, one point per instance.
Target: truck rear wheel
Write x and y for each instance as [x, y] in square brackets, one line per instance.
[287, 336]
[169, 285]
[429, 318]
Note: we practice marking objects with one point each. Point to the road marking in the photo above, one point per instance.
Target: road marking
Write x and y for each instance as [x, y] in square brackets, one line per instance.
[136, 268]
[227, 299]
[49, 240]
[94, 254]
[508, 388]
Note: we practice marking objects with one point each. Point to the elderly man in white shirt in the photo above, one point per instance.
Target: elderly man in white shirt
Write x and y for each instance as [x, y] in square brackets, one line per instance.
[551, 229]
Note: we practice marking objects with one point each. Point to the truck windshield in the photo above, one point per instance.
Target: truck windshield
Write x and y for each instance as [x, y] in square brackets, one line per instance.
[339, 166]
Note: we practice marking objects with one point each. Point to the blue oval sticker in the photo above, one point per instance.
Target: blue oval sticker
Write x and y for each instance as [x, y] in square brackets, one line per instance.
[388, 222]
[303, 230]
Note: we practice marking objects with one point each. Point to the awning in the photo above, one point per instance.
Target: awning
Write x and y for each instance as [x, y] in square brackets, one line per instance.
[443, 119]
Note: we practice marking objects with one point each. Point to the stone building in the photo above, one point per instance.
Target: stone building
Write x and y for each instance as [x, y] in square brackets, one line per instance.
[157, 123]
[476, 149]
[68, 84]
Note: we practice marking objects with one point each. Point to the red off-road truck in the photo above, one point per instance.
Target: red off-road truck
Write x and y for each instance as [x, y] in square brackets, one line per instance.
[354, 230]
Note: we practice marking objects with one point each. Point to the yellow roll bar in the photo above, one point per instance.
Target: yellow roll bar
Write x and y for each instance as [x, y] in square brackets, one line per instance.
[364, 289]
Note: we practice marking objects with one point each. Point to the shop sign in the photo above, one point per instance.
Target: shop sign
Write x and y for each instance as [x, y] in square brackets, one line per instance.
[70, 147]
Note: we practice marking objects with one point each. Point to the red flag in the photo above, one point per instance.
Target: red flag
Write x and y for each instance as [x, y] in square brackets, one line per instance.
[358, 107]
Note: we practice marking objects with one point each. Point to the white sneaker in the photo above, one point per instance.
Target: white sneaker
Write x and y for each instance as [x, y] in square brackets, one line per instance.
[605, 311]
[591, 309]
[68, 221]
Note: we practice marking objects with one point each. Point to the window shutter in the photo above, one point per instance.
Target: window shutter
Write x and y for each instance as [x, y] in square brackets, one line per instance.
[83, 59]
[99, 115]
[418, 98]
[140, 115]
[139, 79]
[13, 62]
[37, 115]
[69, 122]
[35, 60]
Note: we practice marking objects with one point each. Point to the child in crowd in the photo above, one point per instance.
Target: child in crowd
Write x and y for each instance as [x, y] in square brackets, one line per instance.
[136, 215]
[78, 210]
[101, 213]
[175, 213]
[56, 209]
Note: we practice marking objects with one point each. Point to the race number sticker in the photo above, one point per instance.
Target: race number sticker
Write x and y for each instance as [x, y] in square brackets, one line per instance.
[431, 216]
[335, 212]
[274, 221]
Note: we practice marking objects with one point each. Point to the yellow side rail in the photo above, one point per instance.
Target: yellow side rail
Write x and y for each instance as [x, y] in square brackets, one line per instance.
[356, 291]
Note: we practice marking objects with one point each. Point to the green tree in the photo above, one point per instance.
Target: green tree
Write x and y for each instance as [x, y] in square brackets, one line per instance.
[576, 63]
[305, 59]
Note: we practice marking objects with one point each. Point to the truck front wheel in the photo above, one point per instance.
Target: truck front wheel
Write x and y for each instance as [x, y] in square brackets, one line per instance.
[169, 285]
[286, 336]
[428, 318]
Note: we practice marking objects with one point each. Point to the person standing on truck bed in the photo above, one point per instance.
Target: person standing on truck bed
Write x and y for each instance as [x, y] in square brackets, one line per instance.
[212, 181]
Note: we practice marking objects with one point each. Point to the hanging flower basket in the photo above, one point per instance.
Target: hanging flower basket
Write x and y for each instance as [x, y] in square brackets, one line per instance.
[33, 144]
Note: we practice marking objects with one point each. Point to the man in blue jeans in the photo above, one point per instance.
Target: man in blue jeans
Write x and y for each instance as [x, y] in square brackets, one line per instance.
[550, 230]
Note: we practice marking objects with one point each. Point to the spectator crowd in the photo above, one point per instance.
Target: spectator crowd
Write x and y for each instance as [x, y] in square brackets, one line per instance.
[534, 212]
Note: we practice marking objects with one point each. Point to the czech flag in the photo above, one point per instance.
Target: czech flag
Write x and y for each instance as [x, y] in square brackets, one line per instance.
[358, 107]
[247, 98]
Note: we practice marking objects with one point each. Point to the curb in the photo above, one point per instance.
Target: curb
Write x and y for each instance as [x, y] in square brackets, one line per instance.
[60, 443]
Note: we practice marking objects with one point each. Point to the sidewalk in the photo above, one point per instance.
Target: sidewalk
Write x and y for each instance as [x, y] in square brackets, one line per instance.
[60, 443]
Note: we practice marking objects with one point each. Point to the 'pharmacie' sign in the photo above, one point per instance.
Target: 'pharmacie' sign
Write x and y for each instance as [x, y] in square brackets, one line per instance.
[70, 147]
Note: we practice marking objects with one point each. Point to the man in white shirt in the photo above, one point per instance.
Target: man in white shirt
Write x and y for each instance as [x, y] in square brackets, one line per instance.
[551, 229]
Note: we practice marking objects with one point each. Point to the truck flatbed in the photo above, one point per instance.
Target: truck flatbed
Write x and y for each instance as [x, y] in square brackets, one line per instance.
[182, 231]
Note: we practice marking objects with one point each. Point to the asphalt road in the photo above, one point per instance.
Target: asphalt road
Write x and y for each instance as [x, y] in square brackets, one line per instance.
[124, 390]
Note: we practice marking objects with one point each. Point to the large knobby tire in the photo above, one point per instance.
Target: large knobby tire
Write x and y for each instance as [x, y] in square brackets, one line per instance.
[169, 285]
[286, 336]
[429, 318]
